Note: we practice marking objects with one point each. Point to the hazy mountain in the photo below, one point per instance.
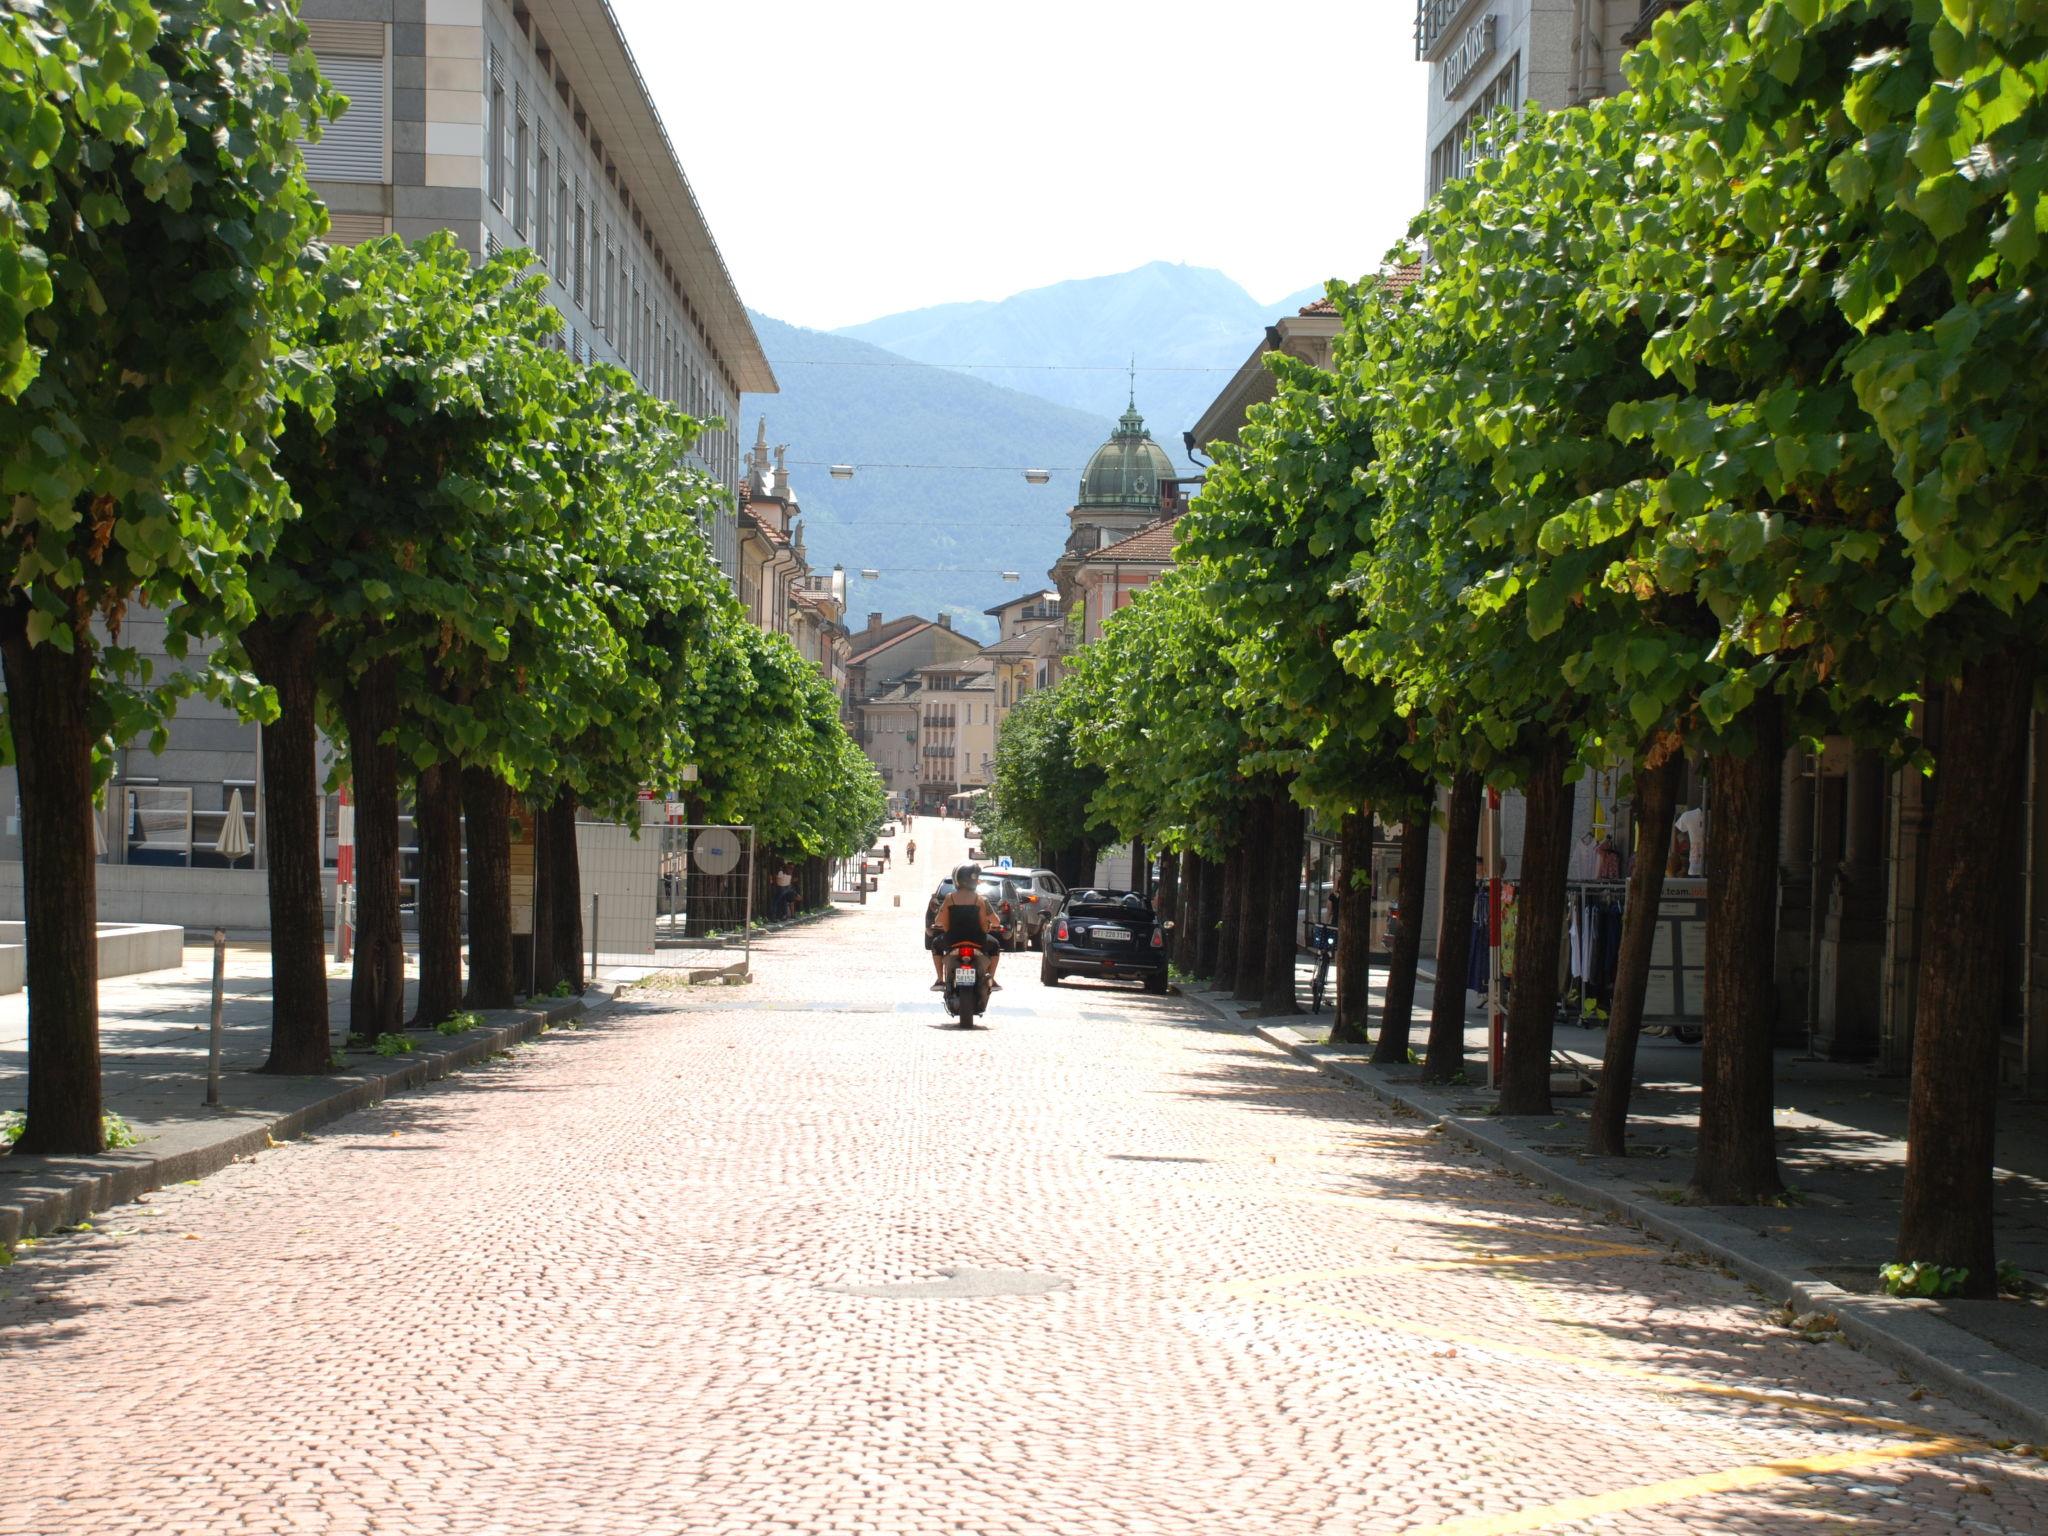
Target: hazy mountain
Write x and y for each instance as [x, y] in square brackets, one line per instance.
[939, 537]
[1193, 322]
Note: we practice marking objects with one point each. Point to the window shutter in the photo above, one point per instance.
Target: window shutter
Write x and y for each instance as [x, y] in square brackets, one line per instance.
[352, 147]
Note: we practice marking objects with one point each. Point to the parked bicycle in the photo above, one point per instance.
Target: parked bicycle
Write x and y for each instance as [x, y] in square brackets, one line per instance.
[1323, 939]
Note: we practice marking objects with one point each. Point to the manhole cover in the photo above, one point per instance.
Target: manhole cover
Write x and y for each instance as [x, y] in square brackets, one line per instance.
[962, 1282]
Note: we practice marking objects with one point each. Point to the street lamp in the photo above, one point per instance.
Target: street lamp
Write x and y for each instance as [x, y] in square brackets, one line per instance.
[1011, 576]
[869, 573]
[842, 471]
[1036, 476]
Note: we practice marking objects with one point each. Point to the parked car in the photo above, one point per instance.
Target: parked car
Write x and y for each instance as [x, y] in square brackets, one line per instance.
[1026, 899]
[1112, 934]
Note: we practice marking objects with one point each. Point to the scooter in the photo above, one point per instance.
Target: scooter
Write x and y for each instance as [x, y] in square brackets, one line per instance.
[967, 984]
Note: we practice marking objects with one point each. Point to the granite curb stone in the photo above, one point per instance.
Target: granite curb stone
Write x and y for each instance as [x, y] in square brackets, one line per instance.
[77, 1187]
[1933, 1351]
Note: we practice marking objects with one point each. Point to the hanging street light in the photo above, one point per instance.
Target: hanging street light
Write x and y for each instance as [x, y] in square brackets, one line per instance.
[1036, 477]
[842, 471]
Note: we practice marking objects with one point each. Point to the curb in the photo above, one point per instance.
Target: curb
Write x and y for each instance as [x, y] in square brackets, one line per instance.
[77, 1187]
[1899, 1332]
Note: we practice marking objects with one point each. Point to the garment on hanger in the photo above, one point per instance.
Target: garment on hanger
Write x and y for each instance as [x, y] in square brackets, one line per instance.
[1693, 824]
[1585, 860]
[1479, 964]
[1607, 862]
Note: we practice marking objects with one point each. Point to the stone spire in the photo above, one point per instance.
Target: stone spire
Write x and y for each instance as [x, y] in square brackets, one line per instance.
[759, 482]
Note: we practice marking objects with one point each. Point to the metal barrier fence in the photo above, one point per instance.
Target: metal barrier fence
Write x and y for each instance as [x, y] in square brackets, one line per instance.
[667, 897]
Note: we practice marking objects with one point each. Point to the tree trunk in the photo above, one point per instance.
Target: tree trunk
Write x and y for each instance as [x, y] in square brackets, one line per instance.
[1141, 868]
[1445, 1058]
[437, 827]
[1656, 804]
[282, 654]
[547, 968]
[487, 815]
[1229, 911]
[1257, 894]
[1166, 900]
[564, 935]
[369, 706]
[1738, 1154]
[1187, 904]
[49, 706]
[1209, 927]
[1283, 906]
[1397, 1012]
[1979, 789]
[1353, 959]
[1539, 929]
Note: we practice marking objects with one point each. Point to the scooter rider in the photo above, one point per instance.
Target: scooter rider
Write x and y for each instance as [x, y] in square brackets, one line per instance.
[959, 913]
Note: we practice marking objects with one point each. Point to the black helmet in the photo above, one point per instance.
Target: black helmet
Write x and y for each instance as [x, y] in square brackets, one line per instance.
[967, 877]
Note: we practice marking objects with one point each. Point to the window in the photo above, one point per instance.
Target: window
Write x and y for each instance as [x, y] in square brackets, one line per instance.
[580, 247]
[565, 257]
[522, 198]
[543, 226]
[1456, 152]
[494, 131]
[352, 58]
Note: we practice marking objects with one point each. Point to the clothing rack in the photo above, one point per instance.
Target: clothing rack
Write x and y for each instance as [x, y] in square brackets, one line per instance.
[1593, 941]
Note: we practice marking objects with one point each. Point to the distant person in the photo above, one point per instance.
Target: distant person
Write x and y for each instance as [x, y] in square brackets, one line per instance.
[785, 891]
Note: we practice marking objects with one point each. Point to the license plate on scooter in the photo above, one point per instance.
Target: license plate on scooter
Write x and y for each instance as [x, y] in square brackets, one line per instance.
[964, 977]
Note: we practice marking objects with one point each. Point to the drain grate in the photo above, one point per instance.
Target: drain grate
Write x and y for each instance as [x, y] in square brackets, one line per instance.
[962, 1282]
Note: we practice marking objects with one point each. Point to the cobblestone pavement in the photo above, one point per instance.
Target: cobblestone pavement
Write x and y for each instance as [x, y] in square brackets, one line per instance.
[674, 1272]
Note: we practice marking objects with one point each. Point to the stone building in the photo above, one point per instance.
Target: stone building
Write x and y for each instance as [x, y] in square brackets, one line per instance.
[1487, 54]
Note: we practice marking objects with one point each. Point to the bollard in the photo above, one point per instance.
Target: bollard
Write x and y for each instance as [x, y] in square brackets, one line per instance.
[593, 942]
[220, 976]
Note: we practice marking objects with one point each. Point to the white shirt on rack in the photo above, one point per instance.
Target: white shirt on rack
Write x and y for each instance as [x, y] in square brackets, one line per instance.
[1693, 824]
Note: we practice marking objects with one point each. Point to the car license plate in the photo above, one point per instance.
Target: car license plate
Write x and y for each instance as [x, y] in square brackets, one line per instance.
[964, 977]
[1112, 935]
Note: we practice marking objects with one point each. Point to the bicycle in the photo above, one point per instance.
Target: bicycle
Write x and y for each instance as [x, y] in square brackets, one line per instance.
[1322, 939]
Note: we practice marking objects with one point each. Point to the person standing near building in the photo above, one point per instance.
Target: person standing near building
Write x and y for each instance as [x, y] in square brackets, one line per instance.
[785, 891]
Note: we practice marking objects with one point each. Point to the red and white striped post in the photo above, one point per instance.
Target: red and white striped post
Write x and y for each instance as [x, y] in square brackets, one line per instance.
[344, 878]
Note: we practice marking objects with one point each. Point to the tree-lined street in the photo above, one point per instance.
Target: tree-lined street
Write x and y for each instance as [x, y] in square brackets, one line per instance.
[684, 1269]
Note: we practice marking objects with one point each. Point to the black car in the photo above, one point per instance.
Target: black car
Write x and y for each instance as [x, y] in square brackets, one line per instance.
[1111, 934]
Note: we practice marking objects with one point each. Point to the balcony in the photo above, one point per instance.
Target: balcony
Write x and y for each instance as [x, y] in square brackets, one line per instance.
[1651, 10]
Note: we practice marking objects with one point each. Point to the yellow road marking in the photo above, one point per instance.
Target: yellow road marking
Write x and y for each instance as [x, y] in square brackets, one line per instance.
[1678, 1489]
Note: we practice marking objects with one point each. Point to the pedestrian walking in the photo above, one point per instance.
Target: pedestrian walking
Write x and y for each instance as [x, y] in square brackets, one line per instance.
[785, 891]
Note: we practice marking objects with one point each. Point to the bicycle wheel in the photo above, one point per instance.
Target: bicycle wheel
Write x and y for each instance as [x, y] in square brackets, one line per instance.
[1322, 977]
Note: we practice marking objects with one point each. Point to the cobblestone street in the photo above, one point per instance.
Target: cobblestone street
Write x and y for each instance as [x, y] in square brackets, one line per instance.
[796, 1257]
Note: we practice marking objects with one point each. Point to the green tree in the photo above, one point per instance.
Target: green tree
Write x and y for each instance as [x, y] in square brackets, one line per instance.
[1043, 793]
[420, 486]
[1865, 176]
[138, 140]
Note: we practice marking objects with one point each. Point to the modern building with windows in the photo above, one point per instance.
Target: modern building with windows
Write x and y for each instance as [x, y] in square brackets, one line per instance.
[1487, 54]
[527, 123]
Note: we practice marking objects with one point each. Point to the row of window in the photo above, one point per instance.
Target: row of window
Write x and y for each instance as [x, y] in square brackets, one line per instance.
[558, 209]
[1462, 146]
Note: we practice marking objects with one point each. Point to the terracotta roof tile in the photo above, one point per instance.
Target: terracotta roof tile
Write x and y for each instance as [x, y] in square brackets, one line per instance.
[1153, 542]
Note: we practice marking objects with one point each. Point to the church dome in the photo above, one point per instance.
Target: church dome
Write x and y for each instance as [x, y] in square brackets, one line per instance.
[1124, 473]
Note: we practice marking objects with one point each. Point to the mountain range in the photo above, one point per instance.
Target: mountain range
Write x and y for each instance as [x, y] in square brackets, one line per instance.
[938, 504]
[1186, 328]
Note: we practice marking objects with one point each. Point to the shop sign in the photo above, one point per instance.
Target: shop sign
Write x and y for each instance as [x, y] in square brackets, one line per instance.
[1471, 54]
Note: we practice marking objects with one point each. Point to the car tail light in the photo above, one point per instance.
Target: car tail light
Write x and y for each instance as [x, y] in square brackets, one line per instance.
[1158, 939]
[1062, 931]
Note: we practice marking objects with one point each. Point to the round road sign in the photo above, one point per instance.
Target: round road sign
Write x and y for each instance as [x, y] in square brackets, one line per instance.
[716, 851]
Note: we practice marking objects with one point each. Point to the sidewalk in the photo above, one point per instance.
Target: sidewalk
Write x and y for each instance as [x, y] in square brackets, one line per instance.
[1842, 1151]
[153, 1042]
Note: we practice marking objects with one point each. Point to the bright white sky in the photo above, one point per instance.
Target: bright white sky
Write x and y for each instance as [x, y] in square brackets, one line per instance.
[859, 159]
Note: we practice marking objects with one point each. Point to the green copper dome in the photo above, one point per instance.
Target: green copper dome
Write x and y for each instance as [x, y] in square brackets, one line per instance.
[1125, 472]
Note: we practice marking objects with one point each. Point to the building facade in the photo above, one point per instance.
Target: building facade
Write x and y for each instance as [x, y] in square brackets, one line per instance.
[526, 123]
[1487, 54]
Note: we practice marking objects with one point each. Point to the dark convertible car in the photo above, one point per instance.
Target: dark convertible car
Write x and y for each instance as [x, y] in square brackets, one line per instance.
[1111, 934]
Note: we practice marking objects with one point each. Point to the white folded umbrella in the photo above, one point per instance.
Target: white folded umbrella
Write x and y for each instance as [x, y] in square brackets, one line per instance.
[233, 842]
